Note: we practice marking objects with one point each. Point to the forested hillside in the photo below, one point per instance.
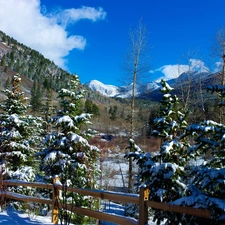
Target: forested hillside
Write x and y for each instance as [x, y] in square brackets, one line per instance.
[31, 64]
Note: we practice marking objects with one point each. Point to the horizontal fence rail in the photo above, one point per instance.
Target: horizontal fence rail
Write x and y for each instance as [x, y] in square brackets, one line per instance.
[138, 199]
[115, 196]
[100, 215]
[26, 184]
[24, 198]
[180, 209]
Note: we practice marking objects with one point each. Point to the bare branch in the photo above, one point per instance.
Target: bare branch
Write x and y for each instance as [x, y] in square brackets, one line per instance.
[136, 65]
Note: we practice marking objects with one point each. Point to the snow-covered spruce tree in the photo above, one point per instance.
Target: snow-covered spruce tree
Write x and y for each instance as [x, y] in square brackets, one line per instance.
[207, 189]
[67, 153]
[136, 153]
[164, 172]
[19, 134]
[19, 131]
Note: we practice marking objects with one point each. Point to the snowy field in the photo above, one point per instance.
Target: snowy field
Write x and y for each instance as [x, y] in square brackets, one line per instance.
[115, 172]
[117, 209]
[12, 217]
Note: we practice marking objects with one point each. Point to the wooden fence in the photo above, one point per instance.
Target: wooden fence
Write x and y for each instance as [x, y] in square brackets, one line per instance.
[141, 200]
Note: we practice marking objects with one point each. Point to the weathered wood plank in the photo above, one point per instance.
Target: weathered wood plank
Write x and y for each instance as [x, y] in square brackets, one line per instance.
[26, 184]
[180, 209]
[115, 196]
[100, 215]
[24, 198]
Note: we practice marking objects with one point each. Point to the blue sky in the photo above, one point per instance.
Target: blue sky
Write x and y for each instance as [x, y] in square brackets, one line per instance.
[90, 37]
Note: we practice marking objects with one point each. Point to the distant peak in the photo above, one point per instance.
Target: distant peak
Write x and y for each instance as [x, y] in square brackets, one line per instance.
[118, 91]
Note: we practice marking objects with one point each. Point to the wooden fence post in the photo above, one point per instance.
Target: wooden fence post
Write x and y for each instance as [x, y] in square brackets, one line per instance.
[55, 202]
[143, 211]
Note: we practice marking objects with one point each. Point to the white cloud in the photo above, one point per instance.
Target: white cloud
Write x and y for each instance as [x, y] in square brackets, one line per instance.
[173, 71]
[24, 21]
[69, 16]
[198, 65]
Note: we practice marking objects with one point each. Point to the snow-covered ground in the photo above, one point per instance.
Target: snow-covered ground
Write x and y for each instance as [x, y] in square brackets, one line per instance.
[115, 172]
[112, 208]
[118, 209]
[13, 217]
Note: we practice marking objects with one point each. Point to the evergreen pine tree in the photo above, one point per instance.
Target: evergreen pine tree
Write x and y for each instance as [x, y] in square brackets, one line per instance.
[19, 132]
[68, 153]
[113, 112]
[36, 97]
[207, 187]
[95, 110]
[164, 172]
[91, 108]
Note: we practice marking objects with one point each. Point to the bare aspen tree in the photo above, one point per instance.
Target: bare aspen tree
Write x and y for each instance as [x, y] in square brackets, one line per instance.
[136, 65]
[190, 84]
[191, 64]
[218, 50]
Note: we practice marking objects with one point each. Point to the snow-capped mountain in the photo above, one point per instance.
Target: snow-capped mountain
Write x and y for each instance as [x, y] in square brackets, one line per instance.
[151, 90]
[107, 90]
[120, 91]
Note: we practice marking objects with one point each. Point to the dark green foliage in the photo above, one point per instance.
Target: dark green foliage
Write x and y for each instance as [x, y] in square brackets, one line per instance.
[91, 108]
[3, 37]
[3, 60]
[164, 172]
[67, 152]
[6, 69]
[15, 103]
[47, 83]
[154, 113]
[36, 97]
[19, 132]
[113, 112]
[209, 140]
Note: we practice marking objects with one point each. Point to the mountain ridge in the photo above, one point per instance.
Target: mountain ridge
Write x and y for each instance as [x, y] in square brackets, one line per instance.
[120, 91]
[151, 90]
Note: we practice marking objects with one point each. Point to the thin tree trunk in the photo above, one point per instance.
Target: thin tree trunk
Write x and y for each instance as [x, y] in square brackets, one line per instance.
[137, 63]
[222, 83]
[130, 170]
